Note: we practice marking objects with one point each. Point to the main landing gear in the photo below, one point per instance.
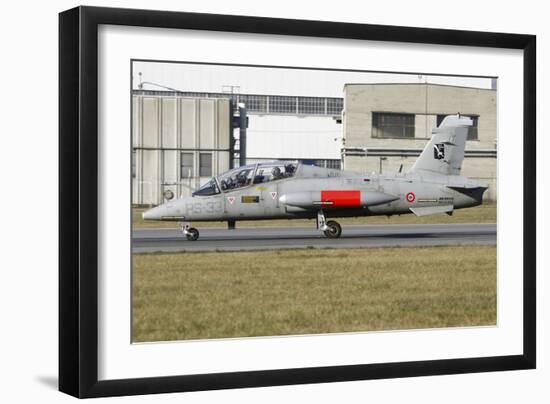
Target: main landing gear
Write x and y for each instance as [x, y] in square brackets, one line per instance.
[331, 229]
[190, 233]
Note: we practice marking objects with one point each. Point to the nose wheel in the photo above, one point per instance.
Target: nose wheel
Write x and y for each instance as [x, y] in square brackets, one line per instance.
[330, 229]
[190, 233]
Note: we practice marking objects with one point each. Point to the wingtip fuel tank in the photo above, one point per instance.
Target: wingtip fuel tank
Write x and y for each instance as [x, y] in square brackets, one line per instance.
[333, 199]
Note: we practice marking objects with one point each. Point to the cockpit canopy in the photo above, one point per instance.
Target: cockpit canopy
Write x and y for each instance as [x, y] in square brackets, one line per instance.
[210, 188]
[247, 175]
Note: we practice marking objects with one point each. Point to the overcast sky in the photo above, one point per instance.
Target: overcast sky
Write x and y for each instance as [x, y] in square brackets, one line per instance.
[273, 81]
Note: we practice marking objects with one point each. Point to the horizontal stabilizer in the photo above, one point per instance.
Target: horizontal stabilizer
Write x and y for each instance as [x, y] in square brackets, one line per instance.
[431, 210]
[460, 188]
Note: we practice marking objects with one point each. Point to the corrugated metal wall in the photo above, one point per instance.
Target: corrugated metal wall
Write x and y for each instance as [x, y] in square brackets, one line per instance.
[168, 132]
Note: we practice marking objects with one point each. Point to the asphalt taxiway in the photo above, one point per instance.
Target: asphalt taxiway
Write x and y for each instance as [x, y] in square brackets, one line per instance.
[353, 236]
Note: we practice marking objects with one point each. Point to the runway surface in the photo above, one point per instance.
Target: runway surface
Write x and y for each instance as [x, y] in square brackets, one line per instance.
[353, 236]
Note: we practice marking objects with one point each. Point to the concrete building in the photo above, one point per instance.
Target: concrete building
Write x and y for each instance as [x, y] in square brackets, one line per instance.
[387, 125]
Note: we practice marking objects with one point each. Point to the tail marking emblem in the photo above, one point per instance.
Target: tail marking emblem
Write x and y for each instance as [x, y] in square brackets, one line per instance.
[439, 151]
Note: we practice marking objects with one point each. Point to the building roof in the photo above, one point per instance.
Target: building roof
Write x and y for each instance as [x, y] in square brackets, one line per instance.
[264, 103]
[417, 84]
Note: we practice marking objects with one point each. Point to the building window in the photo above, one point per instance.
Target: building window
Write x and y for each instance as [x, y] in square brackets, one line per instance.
[254, 103]
[391, 125]
[335, 164]
[335, 106]
[472, 130]
[282, 104]
[186, 165]
[311, 106]
[205, 164]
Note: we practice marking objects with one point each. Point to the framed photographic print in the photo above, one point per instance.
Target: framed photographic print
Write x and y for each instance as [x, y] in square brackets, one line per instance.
[251, 201]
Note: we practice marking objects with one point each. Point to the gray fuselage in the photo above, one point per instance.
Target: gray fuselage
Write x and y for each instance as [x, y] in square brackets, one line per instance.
[379, 195]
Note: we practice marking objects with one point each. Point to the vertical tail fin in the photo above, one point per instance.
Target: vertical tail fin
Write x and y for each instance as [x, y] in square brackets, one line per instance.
[444, 152]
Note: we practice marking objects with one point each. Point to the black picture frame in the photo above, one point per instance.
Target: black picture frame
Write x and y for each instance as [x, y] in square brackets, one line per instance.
[78, 201]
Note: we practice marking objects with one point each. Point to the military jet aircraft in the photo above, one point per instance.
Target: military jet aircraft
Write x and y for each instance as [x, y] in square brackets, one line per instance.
[291, 190]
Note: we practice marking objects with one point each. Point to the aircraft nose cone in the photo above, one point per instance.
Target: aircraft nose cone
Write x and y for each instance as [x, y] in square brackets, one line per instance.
[153, 214]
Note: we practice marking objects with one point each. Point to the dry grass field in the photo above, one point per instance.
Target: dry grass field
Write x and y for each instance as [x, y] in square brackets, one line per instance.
[284, 292]
[486, 213]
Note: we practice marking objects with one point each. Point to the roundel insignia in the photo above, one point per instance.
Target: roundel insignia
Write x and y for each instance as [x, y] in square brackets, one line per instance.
[410, 197]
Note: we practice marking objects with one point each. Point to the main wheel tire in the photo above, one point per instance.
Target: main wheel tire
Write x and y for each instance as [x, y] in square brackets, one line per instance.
[192, 234]
[334, 229]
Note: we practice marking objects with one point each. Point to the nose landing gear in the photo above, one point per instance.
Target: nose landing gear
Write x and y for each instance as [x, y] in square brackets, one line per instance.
[190, 233]
[330, 229]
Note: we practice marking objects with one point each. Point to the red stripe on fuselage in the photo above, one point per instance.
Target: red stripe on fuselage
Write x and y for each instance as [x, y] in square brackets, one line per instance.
[342, 199]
